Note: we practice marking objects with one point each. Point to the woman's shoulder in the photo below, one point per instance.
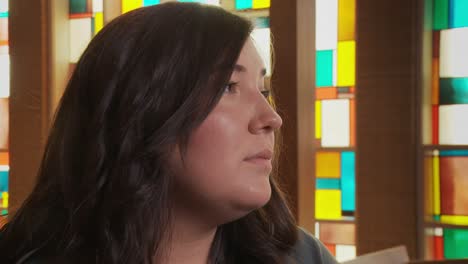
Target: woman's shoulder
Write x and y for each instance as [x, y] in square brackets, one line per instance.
[310, 250]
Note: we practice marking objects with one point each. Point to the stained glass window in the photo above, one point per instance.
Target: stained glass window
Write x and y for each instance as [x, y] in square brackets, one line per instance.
[446, 156]
[251, 4]
[335, 126]
[4, 110]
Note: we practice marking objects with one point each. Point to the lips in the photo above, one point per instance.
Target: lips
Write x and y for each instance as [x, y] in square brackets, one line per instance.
[262, 158]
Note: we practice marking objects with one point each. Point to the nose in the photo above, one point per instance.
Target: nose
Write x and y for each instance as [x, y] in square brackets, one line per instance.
[266, 119]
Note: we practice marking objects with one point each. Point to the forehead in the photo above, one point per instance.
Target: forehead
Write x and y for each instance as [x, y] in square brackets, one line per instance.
[250, 57]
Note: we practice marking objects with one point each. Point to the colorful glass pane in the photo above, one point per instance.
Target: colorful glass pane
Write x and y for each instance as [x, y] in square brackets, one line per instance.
[324, 68]
[4, 123]
[326, 19]
[454, 185]
[345, 252]
[318, 119]
[453, 53]
[346, 19]
[440, 14]
[328, 184]
[327, 164]
[336, 128]
[348, 181]
[258, 4]
[328, 204]
[79, 7]
[3, 181]
[128, 5]
[80, 36]
[456, 243]
[243, 4]
[4, 75]
[337, 233]
[452, 128]
[150, 2]
[458, 13]
[453, 91]
[346, 67]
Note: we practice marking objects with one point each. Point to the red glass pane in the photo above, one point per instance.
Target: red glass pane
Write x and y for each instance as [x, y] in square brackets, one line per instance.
[454, 185]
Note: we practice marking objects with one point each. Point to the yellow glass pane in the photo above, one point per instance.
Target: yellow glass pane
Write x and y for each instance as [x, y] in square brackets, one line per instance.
[318, 119]
[327, 165]
[346, 68]
[4, 199]
[346, 19]
[436, 182]
[428, 188]
[128, 5]
[260, 4]
[328, 204]
[454, 219]
[98, 22]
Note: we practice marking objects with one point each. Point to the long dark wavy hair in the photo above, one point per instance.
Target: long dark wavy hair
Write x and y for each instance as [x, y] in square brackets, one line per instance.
[103, 193]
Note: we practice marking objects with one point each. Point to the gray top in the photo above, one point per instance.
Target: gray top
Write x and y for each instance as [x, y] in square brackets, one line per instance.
[308, 250]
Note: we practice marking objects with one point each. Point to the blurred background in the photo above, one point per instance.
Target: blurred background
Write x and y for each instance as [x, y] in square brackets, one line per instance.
[374, 97]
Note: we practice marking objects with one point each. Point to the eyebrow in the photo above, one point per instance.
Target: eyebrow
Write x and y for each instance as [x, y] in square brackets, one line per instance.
[241, 68]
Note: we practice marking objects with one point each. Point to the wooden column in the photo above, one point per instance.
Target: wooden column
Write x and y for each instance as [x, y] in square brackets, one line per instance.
[29, 96]
[292, 26]
[387, 124]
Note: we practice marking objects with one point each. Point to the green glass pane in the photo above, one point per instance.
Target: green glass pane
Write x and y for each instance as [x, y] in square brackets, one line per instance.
[328, 184]
[455, 243]
[458, 13]
[324, 68]
[78, 6]
[262, 22]
[3, 181]
[440, 17]
[436, 218]
[453, 91]
[243, 4]
[453, 153]
[150, 2]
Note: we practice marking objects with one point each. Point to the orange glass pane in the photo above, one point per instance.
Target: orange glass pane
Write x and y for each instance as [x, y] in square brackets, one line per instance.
[331, 248]
[4, 124]
[435, 81]
[454, 185]
[4, 159]
[338, 233]
[327, 165]
[346, 19]
[326, 93]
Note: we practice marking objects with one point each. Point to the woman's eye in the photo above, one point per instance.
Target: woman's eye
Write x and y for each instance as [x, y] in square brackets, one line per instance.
[230, 87]
[266, 93]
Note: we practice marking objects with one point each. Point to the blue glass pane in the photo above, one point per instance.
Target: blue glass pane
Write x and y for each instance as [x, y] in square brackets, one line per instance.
[324, 68]
[458, 10]
[453, 91]
[243, 4]
[3, 181]
[262, 22]
[150, 2]
[348, 182]
[454, 152]
[328, 184]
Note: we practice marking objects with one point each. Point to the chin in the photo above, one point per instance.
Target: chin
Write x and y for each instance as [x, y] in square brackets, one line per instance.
[251, 200]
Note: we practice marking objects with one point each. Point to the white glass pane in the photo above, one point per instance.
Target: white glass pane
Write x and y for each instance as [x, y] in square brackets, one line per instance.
[317, 230]
[3, 6]
[4, 75]
[261, 37]
[453, 124]
[345, 252]
[335, 123]
[454, 52]
[326, 12]
[212, 2]
[80, 35]
[98, 6]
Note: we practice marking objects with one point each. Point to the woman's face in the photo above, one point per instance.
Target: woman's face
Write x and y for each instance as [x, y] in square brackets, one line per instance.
[225, 172]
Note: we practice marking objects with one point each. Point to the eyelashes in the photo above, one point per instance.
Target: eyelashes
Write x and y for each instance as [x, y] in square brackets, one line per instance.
[232, 87]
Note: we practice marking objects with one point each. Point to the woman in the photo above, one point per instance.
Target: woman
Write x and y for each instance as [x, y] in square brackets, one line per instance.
[161, 152]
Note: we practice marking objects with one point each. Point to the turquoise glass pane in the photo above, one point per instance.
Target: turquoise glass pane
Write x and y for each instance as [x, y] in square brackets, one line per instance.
[348, 182]
[78, 6]
[436, 218]
[243, 4]
[440, 14]
[458, 13]
[3, 14]
[262, 22]
[324, 68]
[453, 91]
[3, 181]
[150, 2]
[328, 184]
[454, 152]
[455, 243]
